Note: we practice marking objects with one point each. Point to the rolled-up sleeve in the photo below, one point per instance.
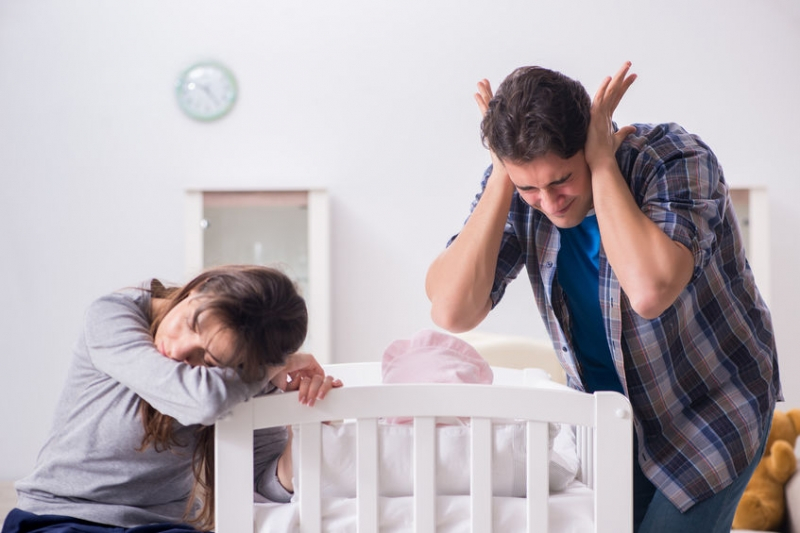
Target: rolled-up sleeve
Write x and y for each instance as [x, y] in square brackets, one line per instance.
[269, 444]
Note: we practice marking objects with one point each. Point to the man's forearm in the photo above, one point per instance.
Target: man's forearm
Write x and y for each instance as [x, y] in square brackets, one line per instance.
[652, 268]
[459, 281]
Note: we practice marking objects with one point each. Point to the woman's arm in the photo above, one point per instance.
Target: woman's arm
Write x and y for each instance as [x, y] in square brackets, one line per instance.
[119, 344]
[273, 464]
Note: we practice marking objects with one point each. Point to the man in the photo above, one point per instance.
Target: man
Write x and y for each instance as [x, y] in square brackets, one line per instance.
[636, 260]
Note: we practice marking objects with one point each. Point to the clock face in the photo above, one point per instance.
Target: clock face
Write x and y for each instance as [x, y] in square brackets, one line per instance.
[206, 91]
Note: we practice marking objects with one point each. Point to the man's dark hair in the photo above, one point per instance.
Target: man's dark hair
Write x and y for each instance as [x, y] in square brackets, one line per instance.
[536, 111]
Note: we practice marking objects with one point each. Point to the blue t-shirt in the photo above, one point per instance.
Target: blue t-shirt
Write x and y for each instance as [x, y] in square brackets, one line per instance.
[578, 270]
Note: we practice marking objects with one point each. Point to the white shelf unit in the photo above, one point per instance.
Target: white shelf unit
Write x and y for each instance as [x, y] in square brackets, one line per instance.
[752, 209]
[287, 228]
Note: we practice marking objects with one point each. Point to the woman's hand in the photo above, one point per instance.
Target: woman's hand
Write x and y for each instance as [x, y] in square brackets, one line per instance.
[602, 141]
[304, 374]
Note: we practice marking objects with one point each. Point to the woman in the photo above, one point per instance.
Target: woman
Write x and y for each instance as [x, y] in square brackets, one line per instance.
[131, 448]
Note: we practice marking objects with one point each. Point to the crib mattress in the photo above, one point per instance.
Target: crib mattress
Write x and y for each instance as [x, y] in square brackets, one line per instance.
[570, 511]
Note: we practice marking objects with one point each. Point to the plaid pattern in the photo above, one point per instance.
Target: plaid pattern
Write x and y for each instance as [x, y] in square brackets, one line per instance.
[703, 377]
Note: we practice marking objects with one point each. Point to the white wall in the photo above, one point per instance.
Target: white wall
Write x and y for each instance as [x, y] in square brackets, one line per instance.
[371, 100]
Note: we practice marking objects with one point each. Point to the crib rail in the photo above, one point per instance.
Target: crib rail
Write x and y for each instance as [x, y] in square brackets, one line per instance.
[606, 415]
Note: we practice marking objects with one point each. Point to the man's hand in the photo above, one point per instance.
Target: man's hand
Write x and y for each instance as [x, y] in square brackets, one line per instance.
[483, 97]
[602, 142]
[459, 281]
[652, 268]
[303, 373]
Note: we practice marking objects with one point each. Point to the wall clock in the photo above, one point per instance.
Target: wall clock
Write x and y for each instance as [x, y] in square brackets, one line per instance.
[206, 91]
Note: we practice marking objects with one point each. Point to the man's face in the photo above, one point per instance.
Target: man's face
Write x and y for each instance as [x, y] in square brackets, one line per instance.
[559, 188]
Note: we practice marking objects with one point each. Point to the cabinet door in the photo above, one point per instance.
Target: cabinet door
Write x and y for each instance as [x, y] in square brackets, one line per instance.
[283, 229]
[752, 209]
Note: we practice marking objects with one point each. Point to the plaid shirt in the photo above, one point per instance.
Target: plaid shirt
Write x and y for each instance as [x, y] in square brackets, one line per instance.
[702, 378]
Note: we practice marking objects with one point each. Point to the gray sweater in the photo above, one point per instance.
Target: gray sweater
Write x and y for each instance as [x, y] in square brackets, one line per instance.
[89, 467]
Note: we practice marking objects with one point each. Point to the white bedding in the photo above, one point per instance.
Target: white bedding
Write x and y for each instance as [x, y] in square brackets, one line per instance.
[570, 508]
[338, 472]
[570, 511]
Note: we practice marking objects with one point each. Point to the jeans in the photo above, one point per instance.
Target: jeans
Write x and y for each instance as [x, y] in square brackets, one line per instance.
[654, 513]
[19, 521]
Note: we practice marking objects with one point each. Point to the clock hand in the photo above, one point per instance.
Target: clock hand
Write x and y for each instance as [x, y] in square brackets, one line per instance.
[209, 93]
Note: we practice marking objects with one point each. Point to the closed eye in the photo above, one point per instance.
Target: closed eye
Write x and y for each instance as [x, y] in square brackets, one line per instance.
[212, 361]
[562, 181]
[552, 184]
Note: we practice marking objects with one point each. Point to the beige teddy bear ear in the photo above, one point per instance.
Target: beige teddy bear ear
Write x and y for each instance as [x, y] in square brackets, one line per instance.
[794, 416]
[762, 506]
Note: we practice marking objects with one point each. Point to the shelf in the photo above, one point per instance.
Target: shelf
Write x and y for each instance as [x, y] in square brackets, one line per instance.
[752, 209]
[285, 229]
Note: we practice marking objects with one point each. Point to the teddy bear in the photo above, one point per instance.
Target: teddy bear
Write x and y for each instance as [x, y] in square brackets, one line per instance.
[763, 504]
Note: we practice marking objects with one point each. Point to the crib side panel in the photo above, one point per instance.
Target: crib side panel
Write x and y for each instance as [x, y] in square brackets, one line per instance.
[607, 414]
[537, 485]
[309, 466]
[481, 474]
[233, 464]
[613, 478]
[367, 474]
[443, 400]
[424, 474]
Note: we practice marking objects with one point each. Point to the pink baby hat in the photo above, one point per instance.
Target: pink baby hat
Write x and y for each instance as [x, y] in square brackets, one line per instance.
[433, 357]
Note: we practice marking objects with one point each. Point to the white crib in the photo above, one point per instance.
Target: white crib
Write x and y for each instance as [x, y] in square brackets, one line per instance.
[604, 446]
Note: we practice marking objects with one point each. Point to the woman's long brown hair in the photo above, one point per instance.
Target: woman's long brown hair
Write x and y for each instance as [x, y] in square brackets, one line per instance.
[270, 320]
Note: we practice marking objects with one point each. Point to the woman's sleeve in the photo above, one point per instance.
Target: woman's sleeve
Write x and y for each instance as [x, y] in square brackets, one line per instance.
[119, 344]
[267, 449]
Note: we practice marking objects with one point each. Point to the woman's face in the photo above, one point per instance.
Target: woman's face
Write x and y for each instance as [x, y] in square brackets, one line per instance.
[204, 343]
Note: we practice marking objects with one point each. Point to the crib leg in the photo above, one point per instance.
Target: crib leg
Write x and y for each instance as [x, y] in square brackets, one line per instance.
[233, 463]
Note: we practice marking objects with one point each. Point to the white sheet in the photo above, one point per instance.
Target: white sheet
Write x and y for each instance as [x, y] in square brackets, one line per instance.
[338, 476]
[569, 511]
